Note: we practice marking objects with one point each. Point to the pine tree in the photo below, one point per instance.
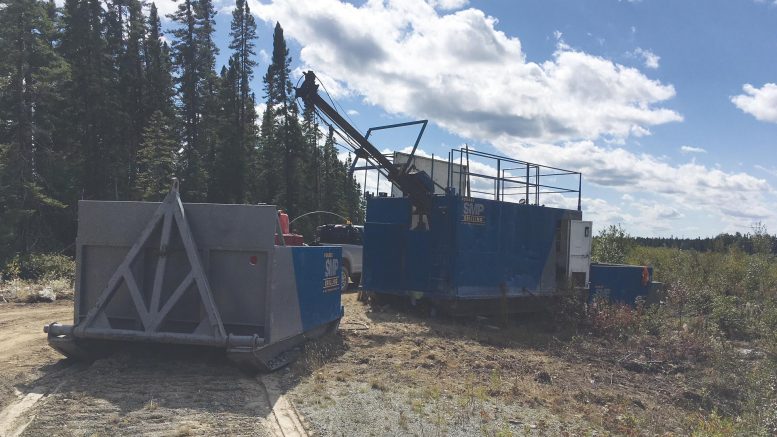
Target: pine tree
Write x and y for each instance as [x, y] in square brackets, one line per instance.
[266, 167]
[285, 153]
[243, 33]
[242, 142]
[187, 60]
[156, 158]
[227, 184]
[330, 187]
[208, 86]
[29, 70]
[313, 153]
[159, 81]
[92, 109]
[132, 85]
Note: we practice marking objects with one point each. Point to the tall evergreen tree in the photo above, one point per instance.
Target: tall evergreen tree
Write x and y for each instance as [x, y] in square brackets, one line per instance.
[132, 85]
[310, 133]
[210, 118]
[286, 152]
[187, 60]
[92, 109]
[243, 33]
[235, 146]
[159, 81]
[156, 158]
[297, 174]
[229, 167]
[29, 70]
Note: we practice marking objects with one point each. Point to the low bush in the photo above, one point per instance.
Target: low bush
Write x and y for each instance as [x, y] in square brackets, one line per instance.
[40, 267]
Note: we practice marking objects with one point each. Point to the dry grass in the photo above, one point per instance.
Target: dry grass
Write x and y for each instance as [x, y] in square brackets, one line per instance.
[456, 371]
[22, 291]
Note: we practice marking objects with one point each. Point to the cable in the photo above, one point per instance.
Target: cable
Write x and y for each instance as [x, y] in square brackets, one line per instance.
[334, 103]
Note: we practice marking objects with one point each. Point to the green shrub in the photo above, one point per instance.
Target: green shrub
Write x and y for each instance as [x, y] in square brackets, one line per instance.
[40, 267]
[611, 245]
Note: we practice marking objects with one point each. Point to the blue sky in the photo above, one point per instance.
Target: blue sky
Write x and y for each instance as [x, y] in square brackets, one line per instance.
[668, 107]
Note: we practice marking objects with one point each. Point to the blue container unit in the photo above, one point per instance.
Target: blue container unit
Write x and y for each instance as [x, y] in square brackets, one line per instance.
[621, 283]
[471, 249]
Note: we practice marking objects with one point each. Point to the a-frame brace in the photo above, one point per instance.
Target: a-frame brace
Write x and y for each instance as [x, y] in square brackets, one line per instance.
[151, 315]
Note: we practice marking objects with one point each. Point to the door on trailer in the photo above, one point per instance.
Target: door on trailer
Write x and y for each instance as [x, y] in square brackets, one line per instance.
[579, 252]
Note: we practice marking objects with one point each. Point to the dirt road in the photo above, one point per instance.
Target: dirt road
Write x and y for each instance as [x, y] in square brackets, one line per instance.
[138, 392]
[24, 354]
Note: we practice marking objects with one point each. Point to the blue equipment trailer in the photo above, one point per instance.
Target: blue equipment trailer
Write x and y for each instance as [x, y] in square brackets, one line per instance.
[472, 249]
[456, 247]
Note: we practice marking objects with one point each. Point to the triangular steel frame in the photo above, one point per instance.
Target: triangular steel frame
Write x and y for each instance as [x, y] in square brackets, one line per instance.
[151, 315]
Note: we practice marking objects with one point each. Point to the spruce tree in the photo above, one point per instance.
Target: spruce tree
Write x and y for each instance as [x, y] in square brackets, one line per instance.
[285, 152]
[133, 81]
[92, 113]
[208, 87]
[229, 169]
[29, 71]
[159, 81]
[156, 158]
[242, 141]
[188, 60]
[243, 33]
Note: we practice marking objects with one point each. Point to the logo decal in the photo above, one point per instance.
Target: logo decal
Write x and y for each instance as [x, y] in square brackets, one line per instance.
[473, 213]
[331, 272]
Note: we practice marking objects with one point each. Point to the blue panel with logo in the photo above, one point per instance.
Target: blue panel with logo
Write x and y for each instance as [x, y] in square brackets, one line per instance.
[470, 249]
[317, 274]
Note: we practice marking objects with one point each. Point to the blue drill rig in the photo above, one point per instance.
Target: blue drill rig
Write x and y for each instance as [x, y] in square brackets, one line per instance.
[439, 243]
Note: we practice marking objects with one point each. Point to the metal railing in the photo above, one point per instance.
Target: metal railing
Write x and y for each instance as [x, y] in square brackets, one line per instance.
[507, 179]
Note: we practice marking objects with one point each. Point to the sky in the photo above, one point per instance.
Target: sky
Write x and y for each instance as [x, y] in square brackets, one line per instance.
[668, 108]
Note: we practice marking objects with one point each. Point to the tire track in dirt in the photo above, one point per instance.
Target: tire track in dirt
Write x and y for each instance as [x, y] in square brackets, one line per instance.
[287, 421]
[22, 326]
[23, 351]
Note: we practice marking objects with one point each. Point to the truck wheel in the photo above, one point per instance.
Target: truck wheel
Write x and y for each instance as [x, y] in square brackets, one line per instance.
[345, 276]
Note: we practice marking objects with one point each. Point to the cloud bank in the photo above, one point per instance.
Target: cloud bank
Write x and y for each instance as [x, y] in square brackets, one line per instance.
[574, 110]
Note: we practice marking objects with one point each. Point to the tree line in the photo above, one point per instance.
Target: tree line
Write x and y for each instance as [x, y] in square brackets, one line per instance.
[756, 241]
[96, 104]
[613, 244]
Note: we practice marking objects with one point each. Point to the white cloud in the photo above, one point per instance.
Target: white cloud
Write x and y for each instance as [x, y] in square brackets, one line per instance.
[475, 81]
[352, 112]
[169, 6]
[761, 103]
[690, 186]
[264, 57]
[448, 5]
[471, 78]
[691, 149]
[260, 107]
[649, 58]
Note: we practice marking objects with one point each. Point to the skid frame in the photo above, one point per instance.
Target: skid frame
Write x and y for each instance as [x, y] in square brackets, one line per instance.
[169, 297]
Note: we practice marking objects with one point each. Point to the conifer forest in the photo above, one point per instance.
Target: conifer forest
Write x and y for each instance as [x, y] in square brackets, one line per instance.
[97, 103]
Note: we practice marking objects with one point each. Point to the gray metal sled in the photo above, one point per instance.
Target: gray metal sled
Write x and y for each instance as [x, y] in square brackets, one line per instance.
[197, 274]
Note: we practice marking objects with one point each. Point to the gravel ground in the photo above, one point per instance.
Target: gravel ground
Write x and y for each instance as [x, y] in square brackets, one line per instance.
[391, 371]
[388, 371]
